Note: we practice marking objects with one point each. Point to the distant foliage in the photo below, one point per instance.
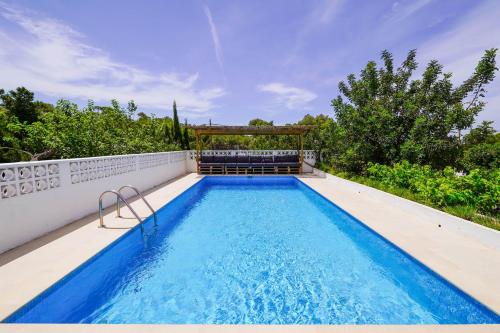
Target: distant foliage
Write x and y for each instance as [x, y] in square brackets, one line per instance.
[481, 148]
[479, 189]
[65, 131]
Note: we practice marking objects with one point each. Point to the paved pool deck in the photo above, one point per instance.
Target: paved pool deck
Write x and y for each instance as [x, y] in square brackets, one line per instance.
[466, 254]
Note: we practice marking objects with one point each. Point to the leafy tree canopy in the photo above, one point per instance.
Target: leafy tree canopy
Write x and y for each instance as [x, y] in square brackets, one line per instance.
[386, 116]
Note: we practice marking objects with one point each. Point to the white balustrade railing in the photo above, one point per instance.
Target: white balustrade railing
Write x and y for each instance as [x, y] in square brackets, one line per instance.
[23, 178]
[38, 197]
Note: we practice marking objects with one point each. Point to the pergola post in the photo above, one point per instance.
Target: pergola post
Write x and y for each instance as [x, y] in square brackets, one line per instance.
[301, 156]
[198, 151]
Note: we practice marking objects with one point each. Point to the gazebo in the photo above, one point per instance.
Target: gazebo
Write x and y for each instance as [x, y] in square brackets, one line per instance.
[250, 164]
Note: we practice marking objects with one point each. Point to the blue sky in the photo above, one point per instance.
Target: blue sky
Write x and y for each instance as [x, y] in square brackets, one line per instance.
[231, 61]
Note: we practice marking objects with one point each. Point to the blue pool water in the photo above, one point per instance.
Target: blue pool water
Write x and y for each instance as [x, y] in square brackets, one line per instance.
[253, 250]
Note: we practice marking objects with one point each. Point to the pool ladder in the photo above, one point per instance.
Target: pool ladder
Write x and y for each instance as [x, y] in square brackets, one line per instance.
[119, 197]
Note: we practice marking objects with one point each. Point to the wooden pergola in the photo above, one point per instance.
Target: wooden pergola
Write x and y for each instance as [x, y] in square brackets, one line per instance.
[208, 130]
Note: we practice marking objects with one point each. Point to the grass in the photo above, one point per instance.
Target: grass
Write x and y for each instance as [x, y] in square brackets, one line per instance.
[465, 212]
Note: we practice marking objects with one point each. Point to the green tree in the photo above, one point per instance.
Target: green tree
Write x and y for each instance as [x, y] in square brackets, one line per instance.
[484, 133]
[10, 144]
[323, 138]
[131, 108]
[176, 131]
[20, 103]
[384, 117]
[260, 122]
[481, 148]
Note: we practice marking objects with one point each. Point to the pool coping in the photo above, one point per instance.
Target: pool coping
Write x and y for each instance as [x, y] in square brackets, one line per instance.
[190, 328]
[174, 188]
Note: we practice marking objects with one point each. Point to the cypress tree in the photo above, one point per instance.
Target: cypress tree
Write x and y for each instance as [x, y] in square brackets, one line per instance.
[186, 135]
[177, 128]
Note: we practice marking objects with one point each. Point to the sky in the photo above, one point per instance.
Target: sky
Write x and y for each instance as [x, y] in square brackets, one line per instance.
[232, 61]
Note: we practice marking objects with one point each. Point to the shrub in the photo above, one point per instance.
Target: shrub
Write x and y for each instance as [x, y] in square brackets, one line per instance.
[479, 189]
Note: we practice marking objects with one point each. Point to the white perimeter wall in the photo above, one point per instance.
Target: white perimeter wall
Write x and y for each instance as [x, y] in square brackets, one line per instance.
[38, 197]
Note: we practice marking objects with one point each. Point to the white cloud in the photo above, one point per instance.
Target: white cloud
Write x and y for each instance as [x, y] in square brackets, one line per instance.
[49, 57]
[215, 35]
[401, 11]
[325, 12]
[460, 48]
[290, 97]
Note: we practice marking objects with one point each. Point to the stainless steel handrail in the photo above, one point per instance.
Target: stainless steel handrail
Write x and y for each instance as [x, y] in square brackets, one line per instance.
[119, 197]
[139, 194]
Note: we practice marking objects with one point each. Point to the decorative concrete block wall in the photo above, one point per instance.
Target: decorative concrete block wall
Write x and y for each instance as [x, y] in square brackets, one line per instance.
[38, 197]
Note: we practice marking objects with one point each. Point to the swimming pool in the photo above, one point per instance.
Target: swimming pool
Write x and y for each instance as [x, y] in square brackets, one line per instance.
[253, 250]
